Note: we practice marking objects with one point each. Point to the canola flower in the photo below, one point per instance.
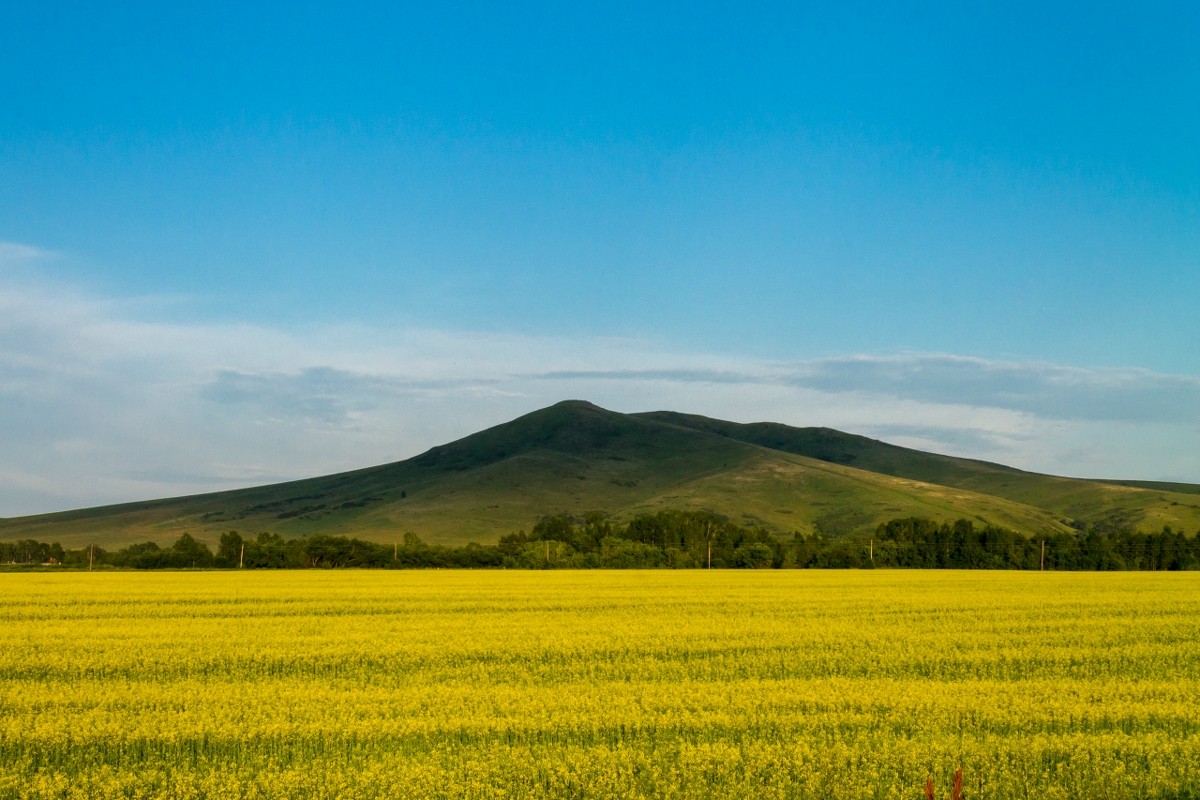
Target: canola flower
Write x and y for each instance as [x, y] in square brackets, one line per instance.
[599, 684]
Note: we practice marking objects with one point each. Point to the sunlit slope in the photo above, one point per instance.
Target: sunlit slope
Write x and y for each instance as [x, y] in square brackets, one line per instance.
[1144, 505]
[570, 457]
[792, 493]
[753, 486]
[575, 458]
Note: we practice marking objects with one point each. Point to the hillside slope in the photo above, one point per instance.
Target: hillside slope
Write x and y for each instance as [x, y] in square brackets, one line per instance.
[574, 457]
[1144, 505]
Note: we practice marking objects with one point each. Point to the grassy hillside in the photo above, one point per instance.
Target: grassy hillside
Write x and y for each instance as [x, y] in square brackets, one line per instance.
[1144, 505]
[569, 457]
[793, 493]
[575, 457]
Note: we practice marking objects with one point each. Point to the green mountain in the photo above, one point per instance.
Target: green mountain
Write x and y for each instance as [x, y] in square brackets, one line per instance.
[1112, 504]
[574, 457]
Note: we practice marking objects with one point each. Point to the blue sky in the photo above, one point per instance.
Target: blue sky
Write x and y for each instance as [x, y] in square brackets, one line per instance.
[249, 242]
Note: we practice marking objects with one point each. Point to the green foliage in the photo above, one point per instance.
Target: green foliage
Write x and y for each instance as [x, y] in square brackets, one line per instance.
[924, 543]
[669, 539]
[30, 551]
[230, 549]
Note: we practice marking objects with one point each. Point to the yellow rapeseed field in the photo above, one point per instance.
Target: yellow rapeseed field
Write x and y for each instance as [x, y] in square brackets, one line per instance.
[754, 684]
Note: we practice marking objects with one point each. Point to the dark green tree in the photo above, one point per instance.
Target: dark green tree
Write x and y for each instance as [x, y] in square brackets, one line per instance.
[188, 552]
[230, 549]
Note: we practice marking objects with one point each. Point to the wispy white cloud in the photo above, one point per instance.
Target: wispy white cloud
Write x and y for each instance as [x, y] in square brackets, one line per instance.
[14, 252]
[1046, 390]
[103, 401]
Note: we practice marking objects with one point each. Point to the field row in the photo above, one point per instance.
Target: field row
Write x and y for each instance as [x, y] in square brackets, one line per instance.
[599, 684]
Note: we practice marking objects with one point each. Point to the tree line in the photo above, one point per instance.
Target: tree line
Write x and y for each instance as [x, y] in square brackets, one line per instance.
[664, 540]
[918, 542]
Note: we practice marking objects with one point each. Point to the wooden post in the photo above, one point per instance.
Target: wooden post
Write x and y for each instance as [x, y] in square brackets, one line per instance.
[242, 556]
[395, 551]
[1043, 566]
[872, 551]
[91, 554]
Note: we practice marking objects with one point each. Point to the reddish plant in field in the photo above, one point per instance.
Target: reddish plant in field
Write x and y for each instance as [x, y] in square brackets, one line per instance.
[955, 788]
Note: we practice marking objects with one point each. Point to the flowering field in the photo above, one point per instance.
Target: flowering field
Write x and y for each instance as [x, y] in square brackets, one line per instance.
[779, 684]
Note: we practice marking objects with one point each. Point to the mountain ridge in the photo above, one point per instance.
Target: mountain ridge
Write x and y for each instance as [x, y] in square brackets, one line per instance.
[575, 457]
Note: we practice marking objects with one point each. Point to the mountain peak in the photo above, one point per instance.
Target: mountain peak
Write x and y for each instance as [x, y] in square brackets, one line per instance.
[579, 404]
[571, 426]
[576, 457]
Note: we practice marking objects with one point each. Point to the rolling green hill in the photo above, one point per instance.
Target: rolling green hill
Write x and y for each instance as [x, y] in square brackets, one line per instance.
[574, 457]
[1143, 504]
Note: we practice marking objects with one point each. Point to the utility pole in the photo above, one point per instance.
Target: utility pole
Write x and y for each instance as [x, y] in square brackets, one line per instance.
[1043, 566]
[708, 537]
[91, 555]
[872, 552]
[242, 556]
